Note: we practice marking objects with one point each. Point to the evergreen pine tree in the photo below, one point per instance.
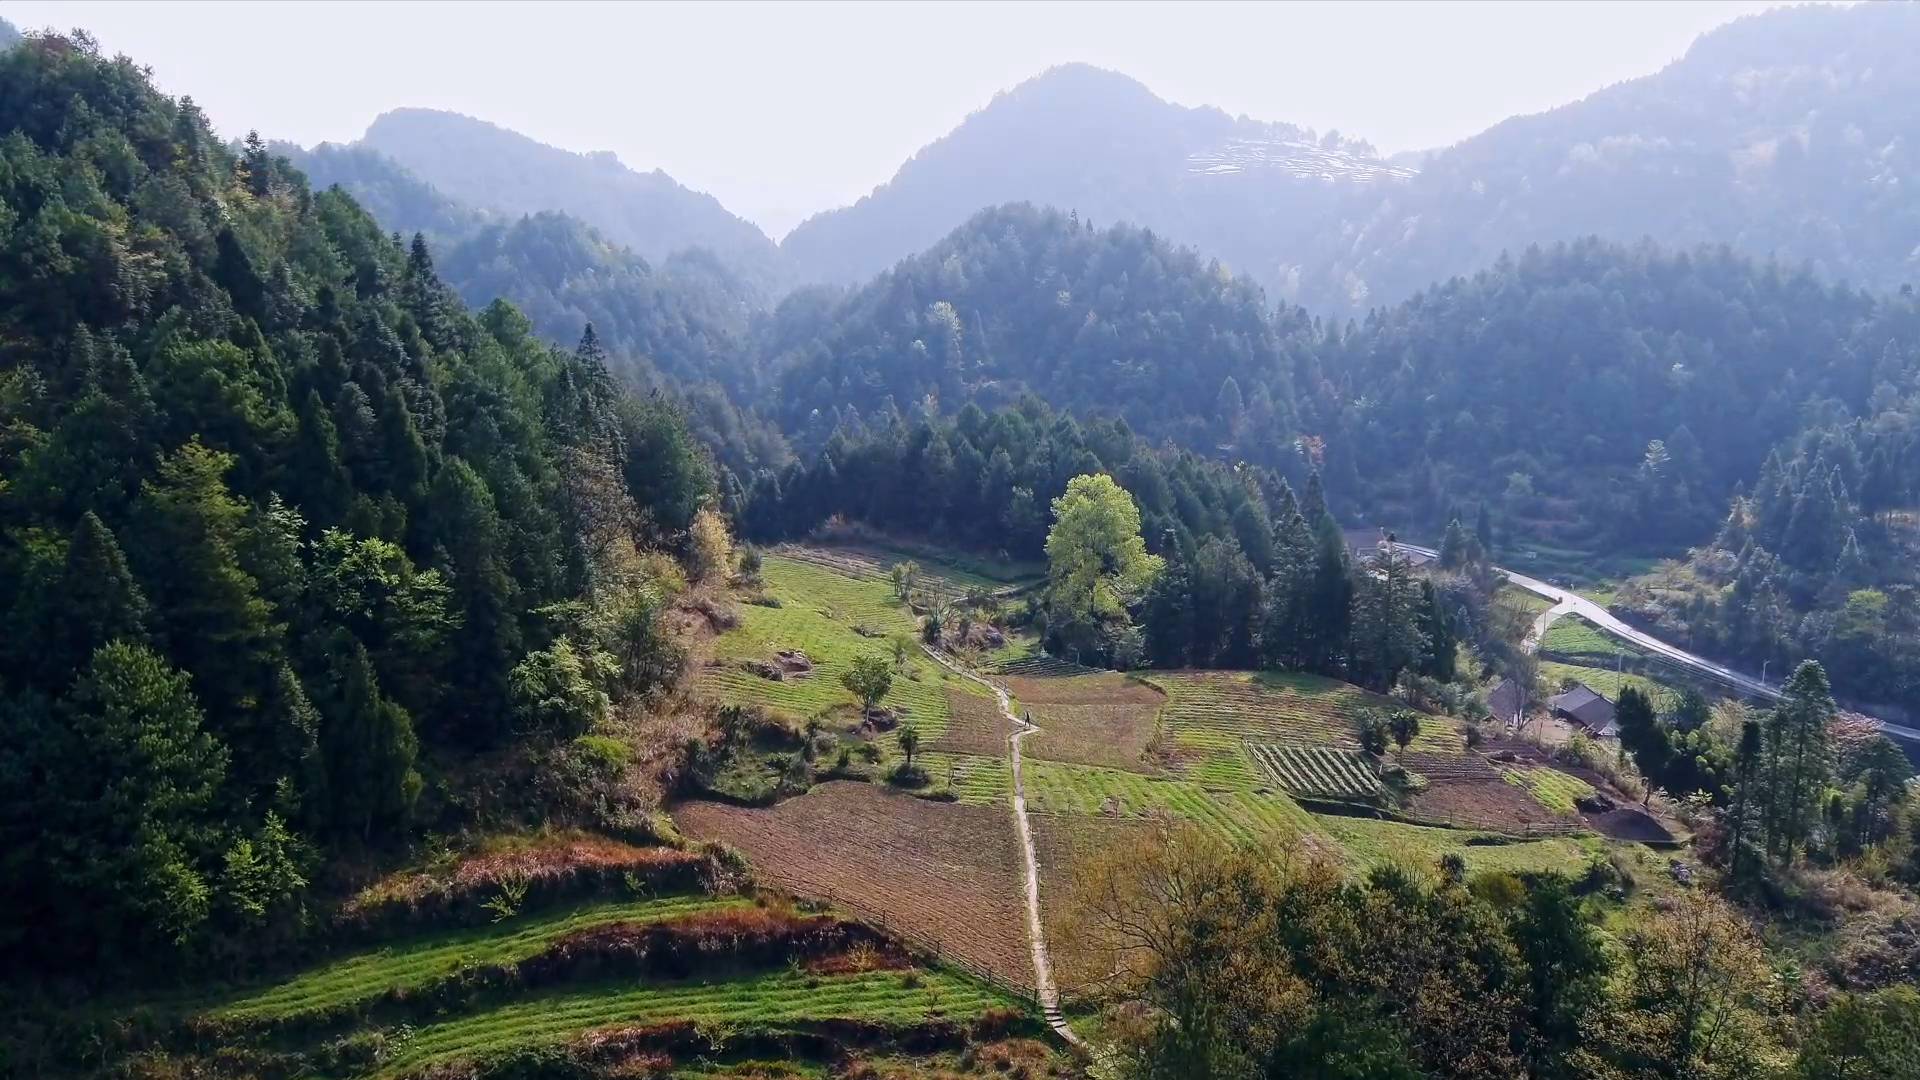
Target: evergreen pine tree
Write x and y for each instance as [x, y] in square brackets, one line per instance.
[369, 744]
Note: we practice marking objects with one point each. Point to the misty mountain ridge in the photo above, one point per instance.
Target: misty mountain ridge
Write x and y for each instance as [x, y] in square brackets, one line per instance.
[1100, 143]
[488, 166]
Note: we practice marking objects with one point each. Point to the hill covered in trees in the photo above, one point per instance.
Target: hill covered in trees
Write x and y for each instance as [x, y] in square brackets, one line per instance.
[1023, 300]
[288, 539]
[685, 317]
[1587, 392]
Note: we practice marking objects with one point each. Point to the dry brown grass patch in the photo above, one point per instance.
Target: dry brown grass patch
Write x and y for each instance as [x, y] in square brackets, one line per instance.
[945, 876]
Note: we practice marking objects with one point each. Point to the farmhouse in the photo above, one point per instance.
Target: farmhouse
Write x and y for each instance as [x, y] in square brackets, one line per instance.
[1584, 705]
[1508, 703]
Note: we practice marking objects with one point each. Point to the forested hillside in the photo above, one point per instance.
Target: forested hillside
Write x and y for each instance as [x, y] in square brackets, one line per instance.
[486, 166]
[1024, 300]
[686, 318]
[1597, 392]
[1585, 392]
[288, 540]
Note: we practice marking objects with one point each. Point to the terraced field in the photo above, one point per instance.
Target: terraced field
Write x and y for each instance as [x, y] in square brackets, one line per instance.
[422, 961]
[548, 1019]
[1210, 715]
[974, 726]
[1028, 662]
[1605, 680]
[1244, 815]
[1317, 771]
[946, 573]
[1575, 638]
[1551, 788]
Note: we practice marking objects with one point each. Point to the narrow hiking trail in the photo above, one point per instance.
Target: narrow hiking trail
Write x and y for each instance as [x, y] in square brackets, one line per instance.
[1043, 986]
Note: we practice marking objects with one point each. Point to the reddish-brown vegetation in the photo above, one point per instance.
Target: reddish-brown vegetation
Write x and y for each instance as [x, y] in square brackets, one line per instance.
[748, 937]
[945, 876]
[550, 868]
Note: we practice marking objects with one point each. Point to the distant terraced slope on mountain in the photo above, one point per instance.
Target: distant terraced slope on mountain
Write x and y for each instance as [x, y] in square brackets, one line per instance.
[1096, 142]
[1794, 134]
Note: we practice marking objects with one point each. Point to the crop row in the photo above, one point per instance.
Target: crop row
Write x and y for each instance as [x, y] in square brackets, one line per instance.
[417, 963]
[972, 778]
[1244, 816]
[1042, 666]
[1317, 770]
[1552, 788]
[548, 1019]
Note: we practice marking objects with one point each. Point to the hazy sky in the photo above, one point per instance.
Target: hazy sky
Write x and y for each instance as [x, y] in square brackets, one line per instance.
[782, 110]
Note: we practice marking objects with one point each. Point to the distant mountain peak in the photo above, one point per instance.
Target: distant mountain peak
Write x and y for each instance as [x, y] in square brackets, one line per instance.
[488, 166]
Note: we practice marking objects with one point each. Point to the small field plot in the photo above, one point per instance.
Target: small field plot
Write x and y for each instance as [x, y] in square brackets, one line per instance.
[1210, 715]
[974, 726]
[946, 573]
[832, 617]
[1317, 771]
[944, 876]
[1029, 662]
[1551, 788]
[1248, 816]
[1369, 841]
[1062, 844]
[1579, 641]
[1492, 805]
[556, 1018]
[1104, 719]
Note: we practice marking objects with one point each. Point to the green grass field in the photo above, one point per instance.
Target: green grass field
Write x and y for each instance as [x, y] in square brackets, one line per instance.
[1607, 681]
[422, 961]
[1369, 841]
[1574, 637]
[833, 617]
[768, 1000]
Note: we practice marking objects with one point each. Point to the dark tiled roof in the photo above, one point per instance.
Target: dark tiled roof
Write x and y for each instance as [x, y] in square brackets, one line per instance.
[1585, 705]
[1506, 700]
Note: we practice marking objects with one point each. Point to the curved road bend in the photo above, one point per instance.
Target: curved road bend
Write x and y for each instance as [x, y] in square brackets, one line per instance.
[1565, 603]
[1043, 985]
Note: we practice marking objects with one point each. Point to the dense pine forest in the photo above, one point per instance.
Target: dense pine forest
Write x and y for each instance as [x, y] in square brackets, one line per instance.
[289, 536]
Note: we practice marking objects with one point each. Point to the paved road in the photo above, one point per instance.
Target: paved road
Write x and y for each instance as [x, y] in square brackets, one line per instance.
[1570, 603]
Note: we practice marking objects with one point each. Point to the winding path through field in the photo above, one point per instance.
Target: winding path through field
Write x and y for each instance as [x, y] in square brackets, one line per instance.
[1043, 986]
